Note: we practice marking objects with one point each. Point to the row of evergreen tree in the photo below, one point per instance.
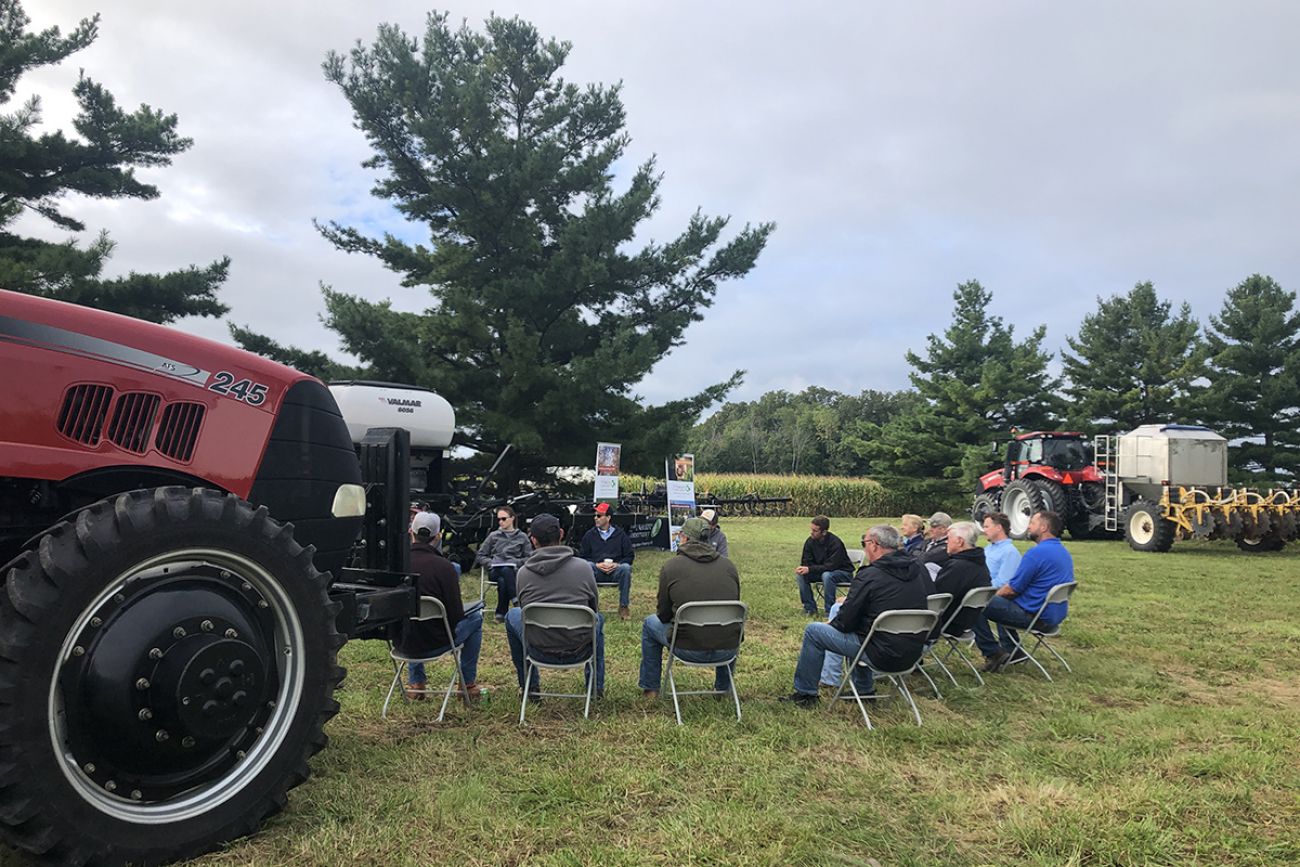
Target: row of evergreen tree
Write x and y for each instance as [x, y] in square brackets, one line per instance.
[1134, 361]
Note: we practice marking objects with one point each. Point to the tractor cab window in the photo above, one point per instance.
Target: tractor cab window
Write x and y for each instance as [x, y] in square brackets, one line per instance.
[1066, 454]
[1031, 451]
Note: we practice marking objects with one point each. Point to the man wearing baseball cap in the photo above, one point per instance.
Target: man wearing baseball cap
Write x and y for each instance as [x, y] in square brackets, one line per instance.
[696, 573]
[552, 574]
[435, 576]
[609, 551]
[714, 535]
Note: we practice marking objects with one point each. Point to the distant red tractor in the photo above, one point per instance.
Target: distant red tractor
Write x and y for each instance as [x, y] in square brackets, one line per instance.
[1050, 470]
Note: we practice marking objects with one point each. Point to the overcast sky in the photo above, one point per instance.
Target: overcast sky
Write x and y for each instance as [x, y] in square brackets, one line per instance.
[1056, 152]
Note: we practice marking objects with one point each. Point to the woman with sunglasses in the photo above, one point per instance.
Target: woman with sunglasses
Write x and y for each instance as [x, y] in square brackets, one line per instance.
[501, 553]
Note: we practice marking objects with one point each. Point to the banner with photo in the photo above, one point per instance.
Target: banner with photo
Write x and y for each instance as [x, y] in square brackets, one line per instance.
[608, 456]
[680, 471]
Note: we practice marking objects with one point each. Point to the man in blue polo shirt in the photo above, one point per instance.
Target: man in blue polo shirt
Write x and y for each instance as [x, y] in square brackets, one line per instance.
[1041, 568]
[1000, 555]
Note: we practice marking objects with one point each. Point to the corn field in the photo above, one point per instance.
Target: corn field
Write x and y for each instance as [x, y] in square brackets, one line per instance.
[811, 495]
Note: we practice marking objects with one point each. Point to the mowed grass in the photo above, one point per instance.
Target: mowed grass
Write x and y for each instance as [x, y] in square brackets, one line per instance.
[1172, 742]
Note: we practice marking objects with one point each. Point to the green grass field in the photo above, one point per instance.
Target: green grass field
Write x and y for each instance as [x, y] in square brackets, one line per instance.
[1173, 742]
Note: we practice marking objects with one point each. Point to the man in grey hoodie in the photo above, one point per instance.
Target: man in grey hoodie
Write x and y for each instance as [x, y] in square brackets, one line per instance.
[696, 573]
[554, 574]
[502, 553]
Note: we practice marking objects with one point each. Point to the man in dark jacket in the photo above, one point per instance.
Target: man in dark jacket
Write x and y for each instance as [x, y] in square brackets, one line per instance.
[892, 580]
[436, 577]
[696, 573]
[936, 550]
[824, 559]
[553, 574]
[964, 571]
[609, 551]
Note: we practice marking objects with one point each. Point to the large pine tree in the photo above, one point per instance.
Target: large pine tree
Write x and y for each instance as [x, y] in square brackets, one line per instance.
[544, 313]
[1133, 362]
[976, 382]
[38, 170]
[1254, 374]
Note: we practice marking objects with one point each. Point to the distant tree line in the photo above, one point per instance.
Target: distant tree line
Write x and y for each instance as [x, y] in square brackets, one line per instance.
[1135, 360]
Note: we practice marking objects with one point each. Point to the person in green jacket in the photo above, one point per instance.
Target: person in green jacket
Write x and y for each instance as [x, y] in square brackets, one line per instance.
[696, 573]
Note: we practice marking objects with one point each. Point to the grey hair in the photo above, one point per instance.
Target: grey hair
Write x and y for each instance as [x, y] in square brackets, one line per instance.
[886, 537]
[941, 519]
[966, 531]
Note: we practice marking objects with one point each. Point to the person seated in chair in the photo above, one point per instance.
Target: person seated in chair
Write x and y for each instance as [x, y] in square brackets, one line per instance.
[609, 551]
[696, 573]
[502, 553]
[936, 549]
[714, 536]
[964, 571]
[1041, 568]
[892, 580]
[553, 574]
[436, 577]
[824, 559]
[913, 527]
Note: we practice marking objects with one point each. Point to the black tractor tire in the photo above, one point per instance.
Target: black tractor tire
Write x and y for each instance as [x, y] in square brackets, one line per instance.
[1023, 497]
[985, 504]
[1146, 528]
[167, 664]
[1262, 544]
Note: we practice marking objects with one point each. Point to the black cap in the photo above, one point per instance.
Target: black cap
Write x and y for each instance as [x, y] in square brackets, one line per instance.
[543, 522]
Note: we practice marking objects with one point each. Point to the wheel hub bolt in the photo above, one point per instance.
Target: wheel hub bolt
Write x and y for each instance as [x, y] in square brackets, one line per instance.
[136, 794]
[145, 714]
[96, 621]
[187, 742]
[78, 651]
[88, 767]
[246, 586]
[111, 786]
[119, 598]
[161, 735]
[239, 754]
[206, 626]
[206, 676]
[225, 574]
[142, 683]
[178, 632]
[155, 653]
[230, 633]
[271, 704]
[261, 603]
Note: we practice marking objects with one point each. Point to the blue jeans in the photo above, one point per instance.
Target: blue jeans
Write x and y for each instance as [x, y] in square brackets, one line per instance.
[469, 634]
[1007, 614]
[514, 635]
[655, 636]
[829, 581]
[818, 638]
[622, 575]
[833, 666]
[504, 578]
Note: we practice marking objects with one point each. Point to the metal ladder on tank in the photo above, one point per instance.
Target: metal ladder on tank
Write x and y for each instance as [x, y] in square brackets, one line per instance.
[1104, 453]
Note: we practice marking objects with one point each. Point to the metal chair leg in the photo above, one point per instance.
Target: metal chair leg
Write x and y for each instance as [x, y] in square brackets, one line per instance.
[943, 668]
[451, 687]
[672, 689]
[590, 670]
[397, 676]
[964, 658]
[934, 686]
[906, 693]
[523, 703]
[731, 680]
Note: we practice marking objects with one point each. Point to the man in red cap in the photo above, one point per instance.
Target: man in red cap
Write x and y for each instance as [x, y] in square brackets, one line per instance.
[609, 550]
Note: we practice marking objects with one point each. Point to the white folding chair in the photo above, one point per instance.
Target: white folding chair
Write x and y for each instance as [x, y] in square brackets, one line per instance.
[431, 608]
[938, 603]
[975, 599]
[856, 556]
[707, 617]
[1058, 593]
[571, 618]
[903, 621]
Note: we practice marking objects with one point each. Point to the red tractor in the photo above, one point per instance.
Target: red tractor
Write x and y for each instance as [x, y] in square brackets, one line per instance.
[175, 516]
[1046, 470]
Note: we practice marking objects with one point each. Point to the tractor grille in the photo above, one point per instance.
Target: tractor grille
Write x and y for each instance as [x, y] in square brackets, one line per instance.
[81, 417]
[179, 430]
[133, 417]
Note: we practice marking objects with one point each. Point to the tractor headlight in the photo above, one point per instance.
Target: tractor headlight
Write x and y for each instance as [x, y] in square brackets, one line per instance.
[349, 502]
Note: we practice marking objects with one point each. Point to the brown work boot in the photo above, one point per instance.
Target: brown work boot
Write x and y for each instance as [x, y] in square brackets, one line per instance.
[650, 694]
[624, 612]
[415, 690]
[474, 691]
[995, 662]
